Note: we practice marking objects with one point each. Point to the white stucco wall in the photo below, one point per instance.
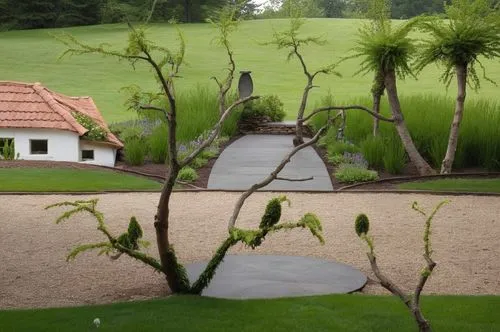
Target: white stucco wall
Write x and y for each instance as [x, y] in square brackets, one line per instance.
[62, 145]
[103, 155]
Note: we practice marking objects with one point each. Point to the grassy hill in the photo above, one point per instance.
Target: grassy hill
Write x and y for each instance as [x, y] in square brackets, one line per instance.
[32, 56]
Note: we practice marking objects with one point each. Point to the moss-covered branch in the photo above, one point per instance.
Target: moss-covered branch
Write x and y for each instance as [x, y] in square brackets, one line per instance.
[128, 243]
[412, 301]
[253, 238]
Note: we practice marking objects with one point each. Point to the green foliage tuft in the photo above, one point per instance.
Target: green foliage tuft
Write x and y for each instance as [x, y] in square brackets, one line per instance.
[187, 174]
[272, 214]
[134, 232]
[362, 224]
[351, 173]
[124, 240]
[311, 221]
[471, 31]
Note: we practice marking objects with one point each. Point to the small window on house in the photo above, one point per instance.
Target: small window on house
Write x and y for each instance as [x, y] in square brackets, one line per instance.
[87, 154]
[39, 146]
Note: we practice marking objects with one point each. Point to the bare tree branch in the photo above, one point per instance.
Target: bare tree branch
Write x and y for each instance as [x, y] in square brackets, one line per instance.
[155, 108]
[215, 131]
[386, 282]
[347, 108]
[295, 180]
[271, 177]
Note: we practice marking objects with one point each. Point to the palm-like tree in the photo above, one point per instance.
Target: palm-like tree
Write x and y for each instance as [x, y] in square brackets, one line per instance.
[471, 31]
[387, 51]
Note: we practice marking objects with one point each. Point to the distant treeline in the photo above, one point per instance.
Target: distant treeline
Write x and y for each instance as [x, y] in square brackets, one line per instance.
[33, 14]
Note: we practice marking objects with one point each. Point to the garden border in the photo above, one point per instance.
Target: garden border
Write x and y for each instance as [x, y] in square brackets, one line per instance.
[415, 178]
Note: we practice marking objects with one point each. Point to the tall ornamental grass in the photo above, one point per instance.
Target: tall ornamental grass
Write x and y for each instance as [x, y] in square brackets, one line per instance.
[198, 111]
[428, 118]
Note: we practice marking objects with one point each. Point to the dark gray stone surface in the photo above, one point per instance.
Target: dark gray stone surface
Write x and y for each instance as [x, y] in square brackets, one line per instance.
[261, 276]
[252, 158]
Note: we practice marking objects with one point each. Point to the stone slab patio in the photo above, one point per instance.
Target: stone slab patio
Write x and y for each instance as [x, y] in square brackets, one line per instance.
[266, 276]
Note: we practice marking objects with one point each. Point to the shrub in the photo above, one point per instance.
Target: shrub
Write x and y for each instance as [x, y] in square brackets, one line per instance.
[187, 174]
[7, 151]
[270, 107]
[351, 173]
[198, 162]
[336, 159]
[158, 144]
[135, 151]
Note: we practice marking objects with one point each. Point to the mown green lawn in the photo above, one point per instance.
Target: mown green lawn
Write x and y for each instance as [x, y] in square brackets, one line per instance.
[32, 56]
[40, 180]
[325, 313]
[466, 185]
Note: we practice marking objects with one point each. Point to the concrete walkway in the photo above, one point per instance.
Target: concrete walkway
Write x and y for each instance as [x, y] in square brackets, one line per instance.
[252, 158]
[267, 277]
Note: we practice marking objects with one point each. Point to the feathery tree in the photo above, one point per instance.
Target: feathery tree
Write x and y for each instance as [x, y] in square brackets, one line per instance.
[387, 51]
[166, 65]
[412, 301]
[379, 12]
[471, 31]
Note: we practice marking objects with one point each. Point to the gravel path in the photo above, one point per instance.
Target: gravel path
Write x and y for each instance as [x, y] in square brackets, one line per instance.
[33, 272]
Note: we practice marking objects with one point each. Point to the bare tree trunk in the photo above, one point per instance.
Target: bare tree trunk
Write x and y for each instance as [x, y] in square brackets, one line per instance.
[447, 164]
[423, 167]
[423, 324]
[376, 109]
[377, 92]
[162, 216]
[299, 129]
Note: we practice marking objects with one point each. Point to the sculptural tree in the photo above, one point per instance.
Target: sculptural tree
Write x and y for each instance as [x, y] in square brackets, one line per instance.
[291, 40]
[412, 301]
[387, 51]
[166, 65]
[470, 31]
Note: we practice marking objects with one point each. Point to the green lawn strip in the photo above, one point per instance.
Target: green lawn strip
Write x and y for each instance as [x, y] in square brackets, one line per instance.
[61, 180]
[465, 185]
[325, 313]
[31, 56]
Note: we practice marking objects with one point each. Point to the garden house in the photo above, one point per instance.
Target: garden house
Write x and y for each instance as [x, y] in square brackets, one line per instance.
[39, 124]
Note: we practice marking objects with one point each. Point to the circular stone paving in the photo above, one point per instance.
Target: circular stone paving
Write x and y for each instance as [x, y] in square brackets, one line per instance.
[261, 276]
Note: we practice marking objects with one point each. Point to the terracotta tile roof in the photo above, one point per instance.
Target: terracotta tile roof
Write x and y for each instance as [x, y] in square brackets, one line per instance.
[30, 105]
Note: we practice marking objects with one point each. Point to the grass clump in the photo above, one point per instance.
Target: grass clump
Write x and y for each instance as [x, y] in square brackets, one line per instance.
[158, 144]
[187, 174]
[135, 151]
[351, 173]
